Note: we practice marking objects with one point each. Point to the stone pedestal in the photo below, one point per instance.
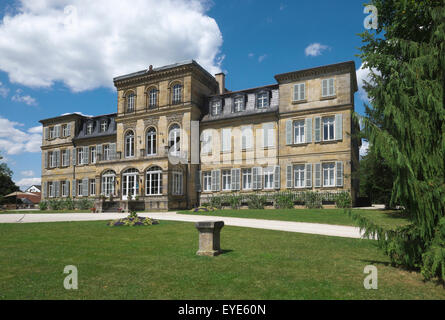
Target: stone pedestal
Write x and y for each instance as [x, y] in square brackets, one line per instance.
[209, 238]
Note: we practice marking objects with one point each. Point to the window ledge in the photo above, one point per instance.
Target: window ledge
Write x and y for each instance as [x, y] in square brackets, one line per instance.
[299, 101]
[329, 141]
[329, 98]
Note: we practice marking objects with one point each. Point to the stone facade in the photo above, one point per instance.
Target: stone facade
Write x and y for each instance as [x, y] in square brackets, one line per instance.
[179, 137]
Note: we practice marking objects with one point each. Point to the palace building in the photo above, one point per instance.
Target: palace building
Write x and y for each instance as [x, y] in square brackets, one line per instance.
[179, 137]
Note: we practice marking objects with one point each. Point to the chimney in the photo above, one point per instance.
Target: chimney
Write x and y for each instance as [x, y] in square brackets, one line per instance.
[221, 79]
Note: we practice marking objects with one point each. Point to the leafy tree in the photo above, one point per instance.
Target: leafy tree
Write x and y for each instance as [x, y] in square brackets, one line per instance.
[7, 186]
[407, 95]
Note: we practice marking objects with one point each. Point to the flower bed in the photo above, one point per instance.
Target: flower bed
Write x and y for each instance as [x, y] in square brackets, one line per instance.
[203, 209]
[133, 220]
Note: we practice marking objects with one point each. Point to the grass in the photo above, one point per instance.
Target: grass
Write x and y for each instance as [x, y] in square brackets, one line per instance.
[385, 218]
[159, 262]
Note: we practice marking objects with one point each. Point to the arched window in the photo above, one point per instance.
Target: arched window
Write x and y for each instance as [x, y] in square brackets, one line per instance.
[153, 182]
[108, 182]
[151, 142]
[130, 184]
[174, 139]
[130, 102]
[153, 98]
[177, 94]
[129, 144]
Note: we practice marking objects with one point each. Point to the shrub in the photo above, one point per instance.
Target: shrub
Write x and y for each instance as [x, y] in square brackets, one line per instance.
[69, 204]
[216, 202]
[313, 200]
[43, 205]
[84, 204]
[255, 201]
[55, 204]
[234, 202]
[133, 220]
[283, 201]
[343, 200]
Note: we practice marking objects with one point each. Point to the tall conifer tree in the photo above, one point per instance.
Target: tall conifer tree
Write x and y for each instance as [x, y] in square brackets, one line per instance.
[407, 54]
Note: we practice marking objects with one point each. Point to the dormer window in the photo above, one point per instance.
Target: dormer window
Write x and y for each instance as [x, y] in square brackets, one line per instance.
[238, 104]
[216, 108]
[103, 126]
[89, 128]
[262, 100]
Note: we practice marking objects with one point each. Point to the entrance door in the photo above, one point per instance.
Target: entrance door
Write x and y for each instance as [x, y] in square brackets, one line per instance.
[129, 185]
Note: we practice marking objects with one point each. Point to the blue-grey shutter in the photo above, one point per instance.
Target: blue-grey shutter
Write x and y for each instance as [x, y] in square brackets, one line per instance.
[324, 92]
[277, 178]
[308, 132]
[218, 180]
[112, 151]
[257, 178]
[289, 139]
[254, 178]
[302, 91]
[73, 192]
[308, 172]
[86, 155]
[68, 157]
[58, 131]
[198, 176]
[339, 127]
[46, 133]
[296, 92]
[98, 152]
[317, 175]
[289, 180]
[236, 182]
[331, 87]
[68, 128]
[46, 160]
[74, 156]
[57, 189]
[339, 169]
[85, 187]
[57, 158]
[67, 188]
[317, 129]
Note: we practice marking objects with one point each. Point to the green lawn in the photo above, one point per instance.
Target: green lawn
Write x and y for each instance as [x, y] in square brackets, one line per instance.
[159, 262]
[385, 218]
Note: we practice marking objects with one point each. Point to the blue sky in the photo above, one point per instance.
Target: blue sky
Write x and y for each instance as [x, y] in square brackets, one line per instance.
[50, 65]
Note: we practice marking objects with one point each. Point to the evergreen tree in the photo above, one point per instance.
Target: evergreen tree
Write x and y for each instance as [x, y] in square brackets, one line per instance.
[7, 186]
[407, 95]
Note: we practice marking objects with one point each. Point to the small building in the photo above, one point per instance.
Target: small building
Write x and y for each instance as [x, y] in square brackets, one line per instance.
[34, 189]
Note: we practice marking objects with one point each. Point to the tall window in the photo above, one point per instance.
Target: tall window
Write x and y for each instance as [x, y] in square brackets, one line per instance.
[65, 191]
[174, 139]
[246, 137]
[107, 152]
[154, 181]
[262, 100]
[80, 186]
[328, 174]
[328, 87]
[81, 156]
[108, 182]
[151, 142]
[206, 142]
[177, 183]
[52, 160]
[328, 128]
[269, 178]
[65, 131]
[152, 98]
[90, 128]
[129, 144]
[226, 180]
[299, 176]
[177, 94]
[299, 132]
[130, 102]
[65, 158]
[216, 108]
[92, 187]
[238, 104]
[247, 179]
[93, 153]
[299, 92]
[103, 126]
[52, 132]
[207, 181]
[51, 189]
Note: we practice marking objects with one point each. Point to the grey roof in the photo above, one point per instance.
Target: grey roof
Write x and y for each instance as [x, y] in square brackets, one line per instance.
[167, 67]
[96, 121]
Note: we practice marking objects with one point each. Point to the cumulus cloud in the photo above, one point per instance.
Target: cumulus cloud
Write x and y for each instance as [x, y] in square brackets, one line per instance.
[27, 182]
[27, 173]
[363, 76]
[3, 90]
[84, 44]
[79, 113]
[18, 97]
[14, 140]
[315, 49]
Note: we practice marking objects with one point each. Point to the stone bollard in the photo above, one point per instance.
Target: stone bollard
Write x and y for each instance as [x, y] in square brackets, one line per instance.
[209, 237]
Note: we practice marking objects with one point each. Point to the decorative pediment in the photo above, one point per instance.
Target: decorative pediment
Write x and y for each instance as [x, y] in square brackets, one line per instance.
[152, 121]
[175, 118]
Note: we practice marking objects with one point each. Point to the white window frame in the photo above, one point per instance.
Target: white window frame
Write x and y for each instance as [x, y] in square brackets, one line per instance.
[238, 104]
[108, 183]
[65, 159]
[299, 131]
[216, 108]
[65, 191]
[93, 155]
[227, 180]
[330, 87]
[177, 183]
[268, 135]
[174, 140]
[80, 156]
[269, 176]
[79, 184]
[103, 126]
[51, 191]
[92, 186]
[129, 144]
[52, 159]
[262, 100]
[65, 130]
[90, 128]
[328, 168]
[299, 176]
[226, 140]
[329, 123]
[151, 141]
[297, 92]
[246, 137]
[153, 98]
[177, 94]
[247, 178]
[207, 181]
[52, 132]
[131, 98]
[150, 177]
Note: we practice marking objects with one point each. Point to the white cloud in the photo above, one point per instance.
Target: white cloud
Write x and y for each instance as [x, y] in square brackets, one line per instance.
[251, 55]
[87, 43]
[79, 113]
[27, 173]
[315, 49]
[261, 58]
[18, 97]
[3, 90]
[363, 74]
[14, 140]
[37, 129]
[364, 148]
[27, 182]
